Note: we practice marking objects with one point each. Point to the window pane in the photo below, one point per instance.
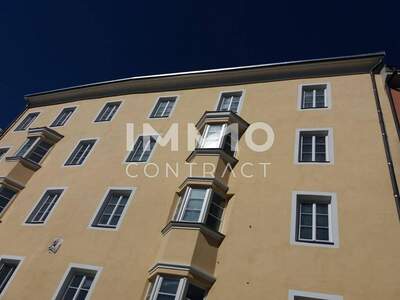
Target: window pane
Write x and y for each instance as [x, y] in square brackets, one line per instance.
[306, 233]
[82, 295]
[76, 280]
[322, 208]
[213, 136]
[80, 153]
[108, 112]
[69, 294]
[6, 271]
[27, 121]
[306, 219]
[169, 285]
[191, 216]
[322, 234]
[195, 293]
[88, 282]
[322, 220]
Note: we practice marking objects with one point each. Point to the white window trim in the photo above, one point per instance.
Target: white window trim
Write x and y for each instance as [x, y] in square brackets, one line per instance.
[68, 120]
[204, 208]
[63, 188]
[334, 222]
[177, 97]
[294, 293]
[243, 91]
[205, 132]
[83, 268]
[5, 154]
[87, 156]
[126, 162]
[130, 199]
[328, 96]
[25, 115]
[113, 116]
[179, 292]
[329, 146]
[11, 257]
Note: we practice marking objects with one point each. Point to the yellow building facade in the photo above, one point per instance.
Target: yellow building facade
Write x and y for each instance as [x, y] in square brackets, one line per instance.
[312, 216]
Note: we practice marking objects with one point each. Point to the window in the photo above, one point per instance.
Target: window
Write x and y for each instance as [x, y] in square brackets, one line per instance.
[63, 117]
[175, 288]
[217, 136]
[78, 283]
[80, 153]
[108, 112]
[34, 149]
[6, 195]
[314, 96]
[27, 121]
[300, 295]
[112, 209]
[314, 146]
[143, 148]
[230, 101]
[163, 107]
[44, 207]
[315, 218]
[201, 205]
[8, 267]
[3, 152]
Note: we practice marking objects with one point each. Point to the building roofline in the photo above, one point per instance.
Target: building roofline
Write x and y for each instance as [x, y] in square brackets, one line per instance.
[201, 73]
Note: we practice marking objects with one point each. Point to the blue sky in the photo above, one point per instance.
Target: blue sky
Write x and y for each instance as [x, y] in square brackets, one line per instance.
[54, 44]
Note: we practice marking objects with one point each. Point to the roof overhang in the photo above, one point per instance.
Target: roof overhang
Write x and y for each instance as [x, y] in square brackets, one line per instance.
[345, 65]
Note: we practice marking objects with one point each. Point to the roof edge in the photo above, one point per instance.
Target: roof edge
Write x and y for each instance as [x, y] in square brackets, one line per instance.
[69, 91]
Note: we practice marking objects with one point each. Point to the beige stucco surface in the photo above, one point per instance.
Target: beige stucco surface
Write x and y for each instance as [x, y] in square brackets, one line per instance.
[255, 260]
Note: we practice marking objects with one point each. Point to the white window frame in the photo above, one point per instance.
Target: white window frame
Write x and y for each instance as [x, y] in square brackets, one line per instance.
[121, 102]
[69, 118]
[151, 154]
[30, 124]
[20, 260]
[180, 292]
[80, 268]
[328, 96]
[63, 189]
[5, 153]
[316, 296]
[328, 144]
[333, 221]
[204, 209]
[32, 147]
[99, 206]
[176, 97]
[96, 140]
[242, 91]
[205, 132]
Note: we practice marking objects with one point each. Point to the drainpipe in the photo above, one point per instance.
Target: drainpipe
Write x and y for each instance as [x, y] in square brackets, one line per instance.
[385, 139]
[391, 101]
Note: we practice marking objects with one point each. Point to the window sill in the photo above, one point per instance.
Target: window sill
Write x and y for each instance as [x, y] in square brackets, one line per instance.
[315, 244]
[25, 162]
[207, 231]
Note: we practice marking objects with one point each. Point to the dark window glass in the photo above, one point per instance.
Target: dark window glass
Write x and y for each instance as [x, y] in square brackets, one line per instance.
[44, 207]
[163, 107]
[25, 123]
[80, 152]
[7, 269]
[63, 117]
[6, 195]
[143, 147]
[112, 209]
[230, 102]
[108, 112]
